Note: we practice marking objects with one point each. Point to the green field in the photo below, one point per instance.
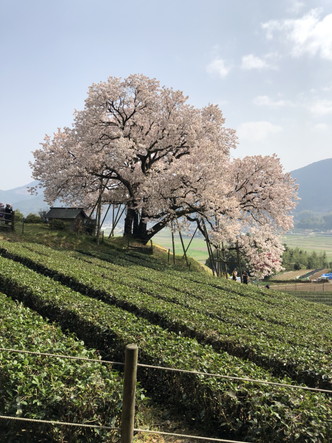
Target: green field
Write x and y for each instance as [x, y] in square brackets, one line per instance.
[197, 249]
[307, 241]
[311, 241]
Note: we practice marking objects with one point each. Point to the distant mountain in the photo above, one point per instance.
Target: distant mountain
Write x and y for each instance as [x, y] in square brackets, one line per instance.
[21, 199]
[315, 187]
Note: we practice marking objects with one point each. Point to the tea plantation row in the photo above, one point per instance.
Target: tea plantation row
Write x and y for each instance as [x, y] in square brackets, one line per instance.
[244, 410]
[52, 388]
[262, 327]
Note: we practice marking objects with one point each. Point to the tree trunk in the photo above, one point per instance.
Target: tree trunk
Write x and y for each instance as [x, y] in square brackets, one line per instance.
[144, 234]
[136, 222]
[141, 232]
[140, 227]
[129, 222]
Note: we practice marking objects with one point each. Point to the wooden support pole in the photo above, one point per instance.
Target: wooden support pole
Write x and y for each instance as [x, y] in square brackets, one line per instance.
[209, 248]
[129, 390]
[113, 221]
[116, 219]
[183, 247]
[192, 237]
[173, 245]
[105, 215]
[238, 260]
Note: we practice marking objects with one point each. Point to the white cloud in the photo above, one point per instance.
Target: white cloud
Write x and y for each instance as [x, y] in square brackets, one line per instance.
[268, 61]
[327, 88]
[309, 34]
[295, 6]
[321, 107]
[264, 100]
[257, 131]
[251, 61]
[218, 67]
[320, 127]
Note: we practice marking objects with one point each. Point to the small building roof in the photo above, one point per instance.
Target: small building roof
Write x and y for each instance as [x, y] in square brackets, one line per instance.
[66, 213]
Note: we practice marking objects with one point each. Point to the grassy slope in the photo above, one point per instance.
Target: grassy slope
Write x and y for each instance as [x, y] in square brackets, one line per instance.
[153, 415]
[66, 240]
[197, 250]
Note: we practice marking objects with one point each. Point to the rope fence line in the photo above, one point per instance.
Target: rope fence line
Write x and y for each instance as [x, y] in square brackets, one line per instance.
[196, 437]
[230, 377]
[110, 428]
[70, 357]
[165, 368]
[127, 428]
[57, 423]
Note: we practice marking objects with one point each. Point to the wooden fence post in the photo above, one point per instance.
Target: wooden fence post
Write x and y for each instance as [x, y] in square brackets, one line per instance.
[129, 389]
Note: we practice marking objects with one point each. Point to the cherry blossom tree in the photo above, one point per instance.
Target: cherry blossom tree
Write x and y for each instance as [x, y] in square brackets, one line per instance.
[263, 197]
[139, 144]
[144, 146]
[262, 250]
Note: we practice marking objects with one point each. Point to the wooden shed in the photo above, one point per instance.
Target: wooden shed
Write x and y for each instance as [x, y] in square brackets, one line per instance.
[74, 218]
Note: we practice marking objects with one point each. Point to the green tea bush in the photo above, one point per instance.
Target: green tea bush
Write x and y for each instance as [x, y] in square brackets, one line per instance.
[57, 224]
[249, 411]
[264, 327]
[52, 388]
[33, 218]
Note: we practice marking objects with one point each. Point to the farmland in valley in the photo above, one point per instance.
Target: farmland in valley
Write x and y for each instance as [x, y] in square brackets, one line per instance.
[311, 241]
[318, 242]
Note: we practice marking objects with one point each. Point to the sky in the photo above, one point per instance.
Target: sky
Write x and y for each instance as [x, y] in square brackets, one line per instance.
[267, 64]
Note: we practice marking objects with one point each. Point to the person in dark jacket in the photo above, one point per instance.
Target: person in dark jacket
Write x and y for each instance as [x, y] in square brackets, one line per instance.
[8, 213]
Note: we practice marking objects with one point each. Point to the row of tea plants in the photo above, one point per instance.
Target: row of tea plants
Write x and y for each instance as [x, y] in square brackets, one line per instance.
[52, 388]
[278, 332]
[241, 409]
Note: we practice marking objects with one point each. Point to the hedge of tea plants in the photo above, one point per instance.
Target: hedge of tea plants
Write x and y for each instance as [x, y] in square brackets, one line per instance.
[244, 410]
[280, 333]
[52, 388]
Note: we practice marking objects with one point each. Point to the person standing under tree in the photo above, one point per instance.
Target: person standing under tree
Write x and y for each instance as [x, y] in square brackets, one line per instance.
[245, 278]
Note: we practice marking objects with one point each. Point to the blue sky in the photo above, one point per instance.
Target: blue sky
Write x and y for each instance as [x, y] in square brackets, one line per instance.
[267, 64]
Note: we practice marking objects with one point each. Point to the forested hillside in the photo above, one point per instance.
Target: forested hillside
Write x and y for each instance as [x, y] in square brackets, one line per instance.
[315, 184]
